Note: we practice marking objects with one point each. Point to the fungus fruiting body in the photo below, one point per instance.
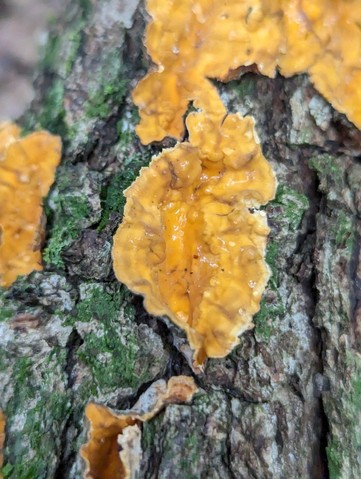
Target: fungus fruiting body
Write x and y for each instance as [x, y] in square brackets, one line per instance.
[189, 242]
[191, 42]
[27, 169]
[324, 39]
[110, 452]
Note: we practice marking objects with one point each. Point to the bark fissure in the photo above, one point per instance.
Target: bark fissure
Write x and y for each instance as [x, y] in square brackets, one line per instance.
[67, 455]
[316, 200]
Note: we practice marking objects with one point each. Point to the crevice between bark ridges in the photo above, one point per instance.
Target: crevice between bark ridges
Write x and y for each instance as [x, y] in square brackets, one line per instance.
[307, 245]
[67, 454]
[324, 433]
[355, 280]
[228, 452]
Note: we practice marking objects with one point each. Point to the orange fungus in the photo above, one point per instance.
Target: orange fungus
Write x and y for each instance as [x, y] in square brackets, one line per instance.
[113, 449]
[192, 41]
[27, 169]
[193, 239]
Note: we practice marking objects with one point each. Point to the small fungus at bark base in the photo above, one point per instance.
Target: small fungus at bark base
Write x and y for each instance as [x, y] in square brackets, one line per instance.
[193, 239]
[113, 450]
[191, 42]
[27, 170]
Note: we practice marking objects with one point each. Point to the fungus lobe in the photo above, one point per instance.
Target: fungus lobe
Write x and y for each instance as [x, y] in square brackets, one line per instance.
[110, 452]
[192, 240]
[191, 42]
[27, 169]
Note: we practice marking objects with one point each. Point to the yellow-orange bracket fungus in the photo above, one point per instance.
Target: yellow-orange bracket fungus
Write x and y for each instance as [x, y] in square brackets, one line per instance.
[113, 449]
[27, 169]
[191, 41]
[189, 242]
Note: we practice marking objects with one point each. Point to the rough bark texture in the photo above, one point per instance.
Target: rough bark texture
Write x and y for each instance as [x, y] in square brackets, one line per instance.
[286, 402]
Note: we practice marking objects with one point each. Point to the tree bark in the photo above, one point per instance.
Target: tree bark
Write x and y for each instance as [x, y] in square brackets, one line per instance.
[287, 401]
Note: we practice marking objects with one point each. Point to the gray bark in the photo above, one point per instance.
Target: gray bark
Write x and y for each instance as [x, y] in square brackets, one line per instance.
[285, 403]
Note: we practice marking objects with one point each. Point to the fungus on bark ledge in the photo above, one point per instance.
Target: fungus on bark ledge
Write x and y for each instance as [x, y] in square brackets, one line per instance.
[111, 451]
[189, 242]
[27, 169]
[193, 41]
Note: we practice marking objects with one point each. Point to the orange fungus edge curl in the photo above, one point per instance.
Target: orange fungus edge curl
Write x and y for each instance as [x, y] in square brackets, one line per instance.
[190, 43]
[110, 452]
[27, 170]
[193, 239]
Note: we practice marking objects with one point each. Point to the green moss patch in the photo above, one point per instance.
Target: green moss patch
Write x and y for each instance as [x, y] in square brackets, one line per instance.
[271, 306]
[293, 204]
[70, 212]
[344, 230]
[287, 211]
[111, 346]
[58, 58]
[35, 417]
[113, 199]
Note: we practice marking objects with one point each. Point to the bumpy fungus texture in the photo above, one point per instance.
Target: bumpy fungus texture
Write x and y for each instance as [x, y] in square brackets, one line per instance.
[2, 439]
[193, 41]
[27, 169]
[189, 242]
[108, 453]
